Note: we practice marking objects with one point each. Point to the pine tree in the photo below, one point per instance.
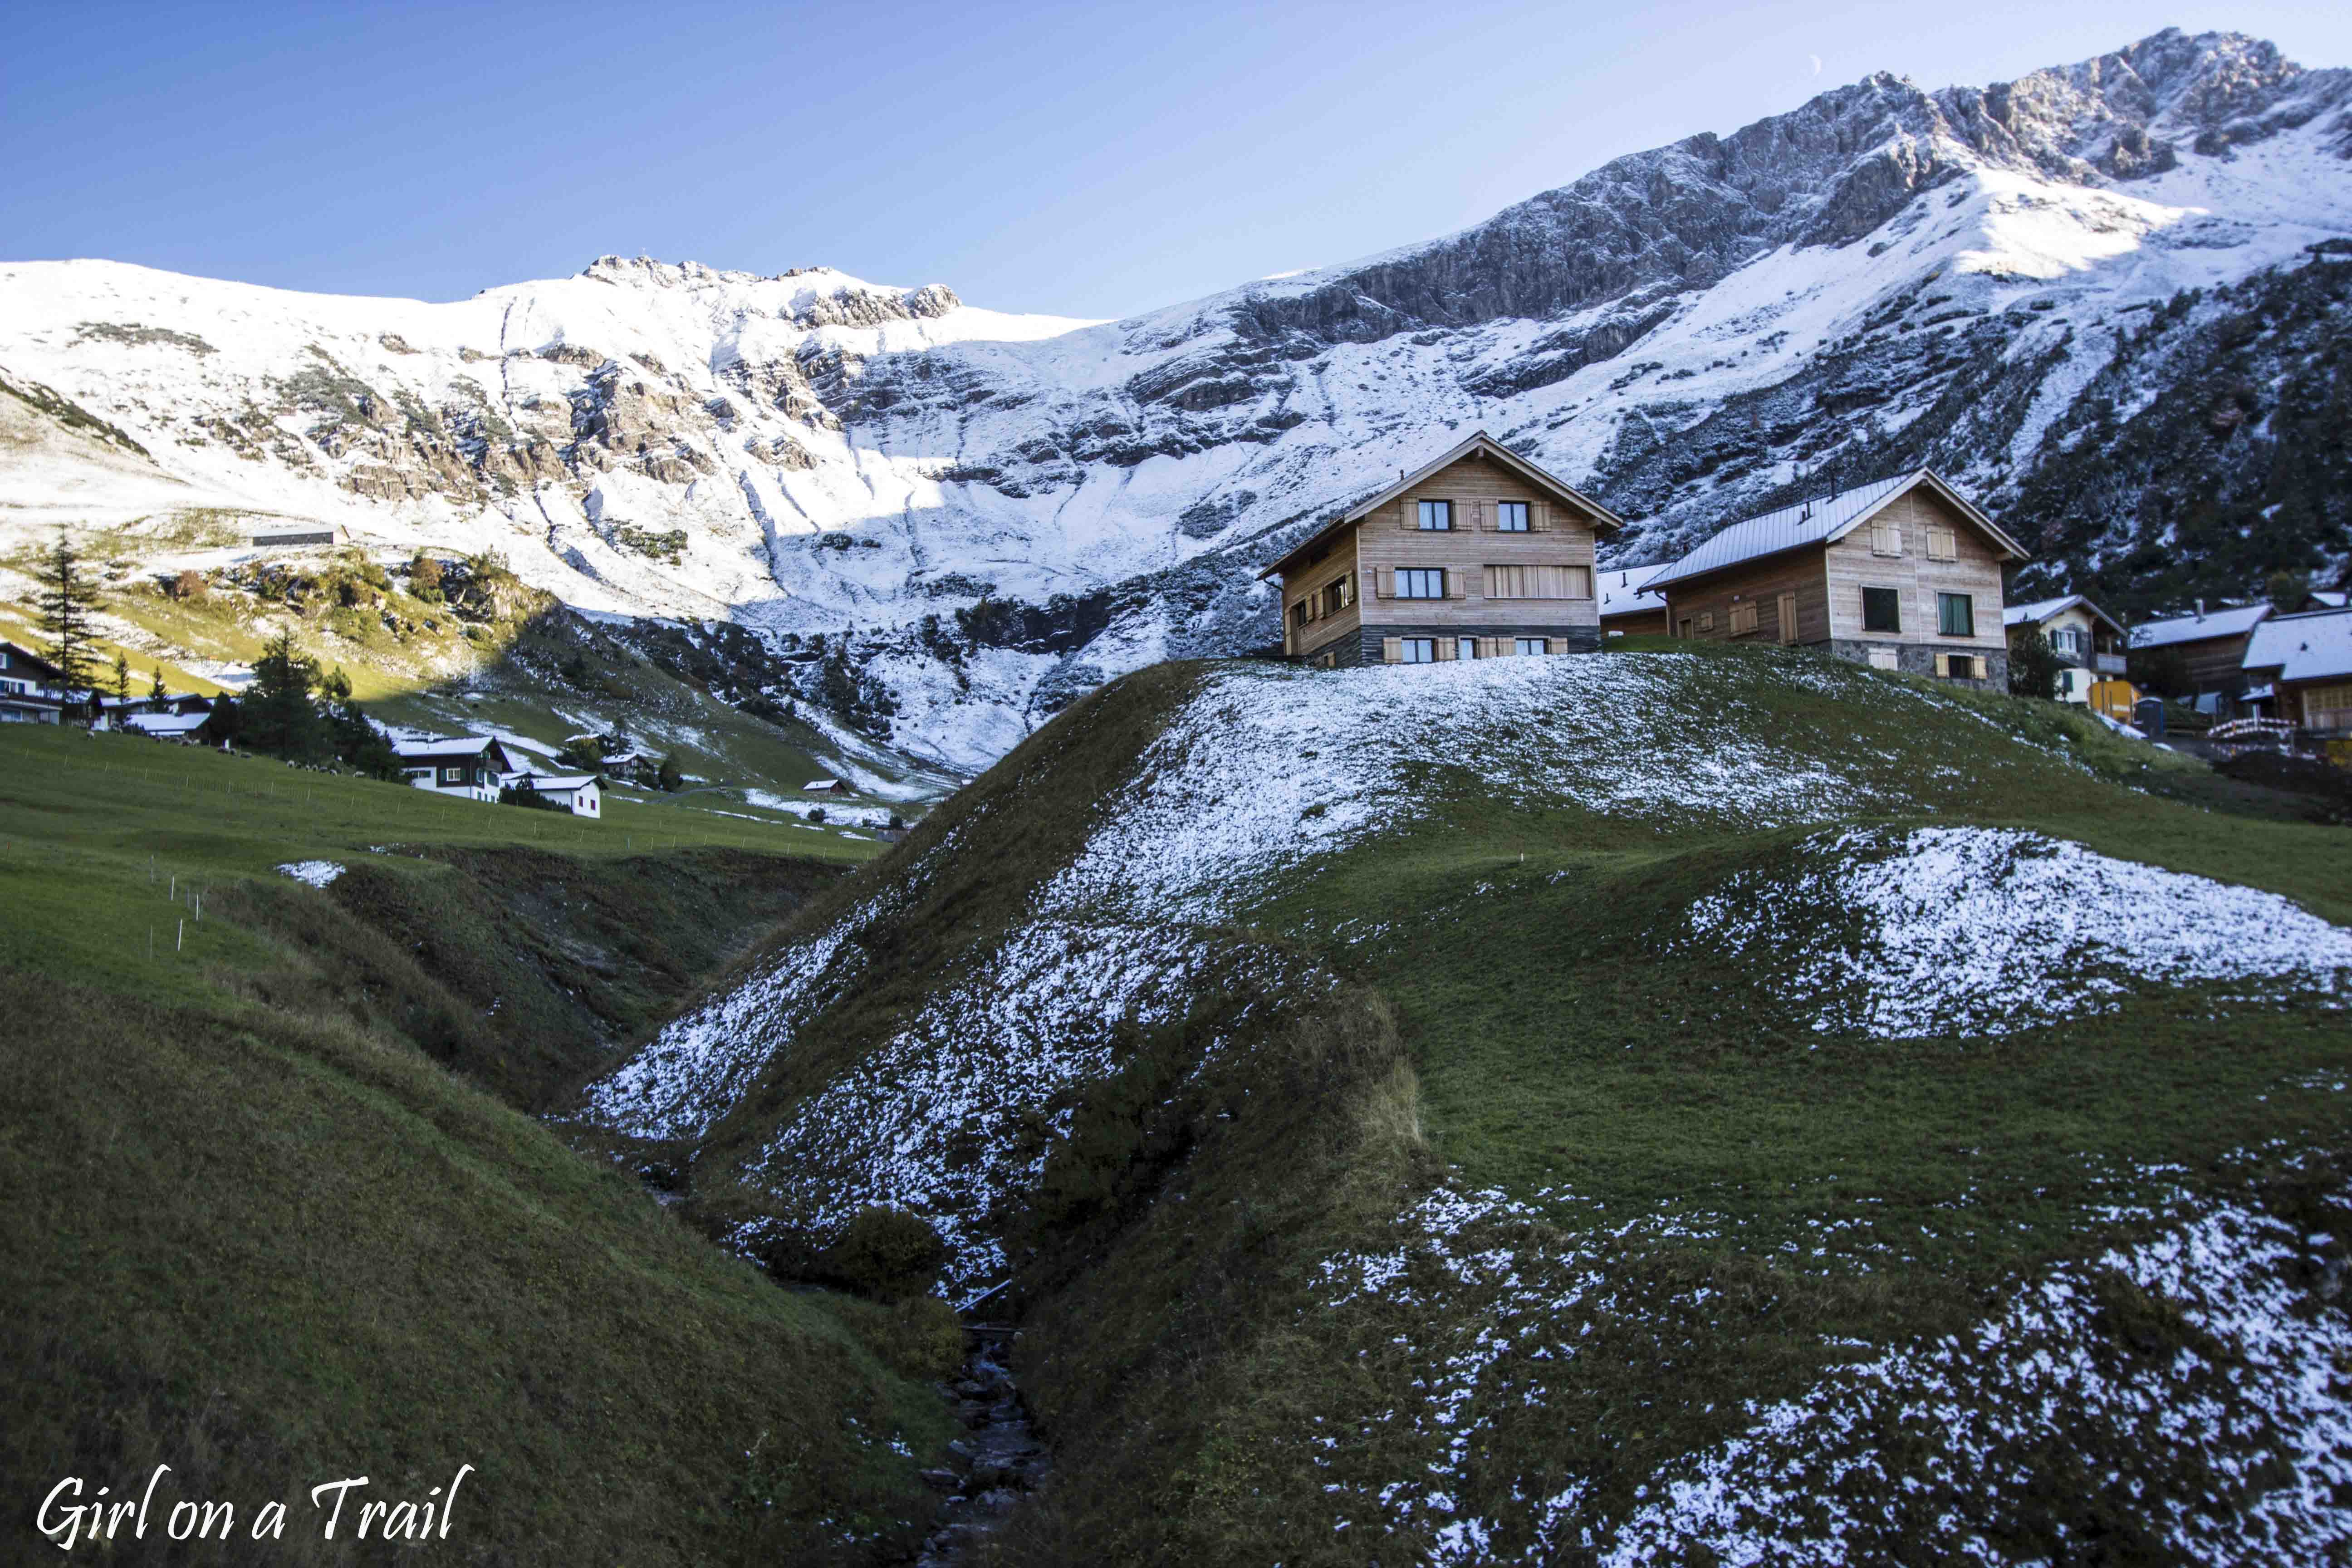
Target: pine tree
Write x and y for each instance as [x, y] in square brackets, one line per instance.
[277, 713]
[122, 676]
[156, 692]
[67, 601]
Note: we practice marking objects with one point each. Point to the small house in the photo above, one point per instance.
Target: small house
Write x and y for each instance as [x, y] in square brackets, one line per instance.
[2090, 643]
[825, 786]
[1628, 606]
[2302, 665]
[2206, 653]
[1905, 573]
[1479, 553]
[581, 794]
[167, 725]
[471, 767]
[30, 689]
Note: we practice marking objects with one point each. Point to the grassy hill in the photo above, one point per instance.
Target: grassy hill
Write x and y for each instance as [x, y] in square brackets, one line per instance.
[280, 1217]
[1684, 1106]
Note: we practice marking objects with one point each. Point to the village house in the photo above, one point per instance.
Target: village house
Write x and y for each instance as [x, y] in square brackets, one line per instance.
[2200, 657]
[2301, 665]
[1630, 608]
[29, 693]
[2090, 645]
[473, 766]
[1478, 554]
[825, 786]
[581, 794]
[1905, 573]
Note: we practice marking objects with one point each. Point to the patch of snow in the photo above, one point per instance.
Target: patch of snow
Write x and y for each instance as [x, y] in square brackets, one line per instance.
[317, 873]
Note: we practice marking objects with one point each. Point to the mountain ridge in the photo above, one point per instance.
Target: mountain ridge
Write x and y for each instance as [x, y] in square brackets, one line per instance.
[989, 513]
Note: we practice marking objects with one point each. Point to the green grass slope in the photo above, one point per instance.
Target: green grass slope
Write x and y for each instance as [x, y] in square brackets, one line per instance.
[278, 1218]
[1670, 1107]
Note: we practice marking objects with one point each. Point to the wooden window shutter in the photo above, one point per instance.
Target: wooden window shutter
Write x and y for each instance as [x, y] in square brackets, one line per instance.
[1943, 544]
[1392, 650]
[1485, 647]
[1446, 648]
[1457, 583]
[1943, 664]
[1540, 517]
[1787, 612]
[1408, 514]
[1384, 585]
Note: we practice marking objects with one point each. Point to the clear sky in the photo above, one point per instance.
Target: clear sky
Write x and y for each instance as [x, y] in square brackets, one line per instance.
[1082, 160]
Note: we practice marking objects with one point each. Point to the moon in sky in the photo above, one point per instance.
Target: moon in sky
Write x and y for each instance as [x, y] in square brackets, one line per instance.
[1816, 64]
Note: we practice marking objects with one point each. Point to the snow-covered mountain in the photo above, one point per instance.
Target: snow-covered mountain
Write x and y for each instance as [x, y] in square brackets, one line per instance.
[996, 511]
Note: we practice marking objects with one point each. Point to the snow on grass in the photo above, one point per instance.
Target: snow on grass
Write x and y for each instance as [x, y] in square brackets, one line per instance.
[2193, 1352]
[317, 873]
[957, 1112]
[1266, 768]
[2249, 1400]
[1986, 930]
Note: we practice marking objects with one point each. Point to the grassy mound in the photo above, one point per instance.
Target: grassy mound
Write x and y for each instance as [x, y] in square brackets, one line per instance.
[1443, 1112]
[279, 1219]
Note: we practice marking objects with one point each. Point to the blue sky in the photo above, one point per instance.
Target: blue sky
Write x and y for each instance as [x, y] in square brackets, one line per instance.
[1082, 160]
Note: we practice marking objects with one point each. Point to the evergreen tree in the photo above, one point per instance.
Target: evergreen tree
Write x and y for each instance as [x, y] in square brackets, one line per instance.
[355, 740]
[2032, 664]
[277, 713]
[122, 676]
[67, 601]
[667, 775]
[156, 692]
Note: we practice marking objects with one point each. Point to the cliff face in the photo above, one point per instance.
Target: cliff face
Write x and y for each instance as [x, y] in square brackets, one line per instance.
[996, 511]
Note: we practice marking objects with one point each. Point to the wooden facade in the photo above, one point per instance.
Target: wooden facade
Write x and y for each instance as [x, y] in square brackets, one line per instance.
[1877, 589]
[1481, 553]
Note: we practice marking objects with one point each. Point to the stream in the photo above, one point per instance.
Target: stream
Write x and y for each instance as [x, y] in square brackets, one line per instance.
[997, 1459]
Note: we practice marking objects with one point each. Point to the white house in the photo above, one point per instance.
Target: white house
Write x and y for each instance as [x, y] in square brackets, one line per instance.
[471, 767]
[579, 794]
[28, 688]
[2090, 643]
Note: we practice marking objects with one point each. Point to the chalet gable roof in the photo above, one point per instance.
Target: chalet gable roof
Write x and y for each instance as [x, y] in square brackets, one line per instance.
[2041, 610]
[1823, 521]
[2315, 644]
[1481, 445]
[2234, 621]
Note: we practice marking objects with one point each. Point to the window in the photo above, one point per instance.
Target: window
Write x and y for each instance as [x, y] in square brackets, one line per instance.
[1882, 609]
[1511, 517]
[2067, 639]
[1465, 648]
[1301, 613]
[1417, 650]
[1533, 645]
[450, 775]
[1960, 666]
[1332, 597]
[1885, 539]
[1943, 544]
[1743, 619]
[1437, 515]
[1421, 583]
[1956, 615]
[1539, 582]
[1706, 622]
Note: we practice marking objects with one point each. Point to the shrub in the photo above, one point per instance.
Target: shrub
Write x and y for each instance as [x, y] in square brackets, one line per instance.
[888, 1254]
[924, 1339]
[189, 585]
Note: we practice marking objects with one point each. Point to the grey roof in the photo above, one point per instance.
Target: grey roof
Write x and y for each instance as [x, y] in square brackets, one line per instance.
[2312, 645]
[1627, 591]
[1821, 521]
[2223, 622]
[2041, 610]
[469, 746]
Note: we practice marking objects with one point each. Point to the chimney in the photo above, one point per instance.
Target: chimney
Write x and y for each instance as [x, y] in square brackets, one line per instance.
[2200, 609]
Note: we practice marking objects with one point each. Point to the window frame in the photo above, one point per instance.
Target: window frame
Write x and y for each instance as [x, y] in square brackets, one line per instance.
[1967, 615]
[1505, 509]
[1419, 574]
[1519, 646]
[1408, 647]
[1465, 648]
[1442, 510]
[1891, 597]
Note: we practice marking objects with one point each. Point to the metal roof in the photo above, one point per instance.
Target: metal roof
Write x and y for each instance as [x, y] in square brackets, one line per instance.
[1821, 520]
[1627, 591]
[2041, 610]
[1485, 446]
[2312, 646]
[2224, 623]
[472, 745]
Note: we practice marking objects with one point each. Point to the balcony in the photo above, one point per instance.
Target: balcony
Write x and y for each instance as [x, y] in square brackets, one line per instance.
[2107, 663]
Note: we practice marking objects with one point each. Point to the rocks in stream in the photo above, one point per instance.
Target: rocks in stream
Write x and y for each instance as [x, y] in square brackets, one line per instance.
[997, 1459]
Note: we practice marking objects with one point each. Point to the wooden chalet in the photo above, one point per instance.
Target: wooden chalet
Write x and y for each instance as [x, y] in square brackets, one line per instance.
[2301, 666]
[1905, 573]
[2208, 649]
[1477, 555]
